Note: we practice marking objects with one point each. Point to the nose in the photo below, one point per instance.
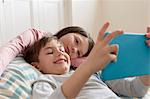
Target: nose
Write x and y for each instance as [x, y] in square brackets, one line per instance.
[58, 52]
[73, 50]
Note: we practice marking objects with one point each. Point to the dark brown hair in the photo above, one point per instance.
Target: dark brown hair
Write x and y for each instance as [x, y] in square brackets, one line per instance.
[78, 30]
[32, 52]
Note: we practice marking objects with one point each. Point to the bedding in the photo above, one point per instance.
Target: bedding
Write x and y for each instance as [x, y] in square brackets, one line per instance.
[16, 46]
[15, 82]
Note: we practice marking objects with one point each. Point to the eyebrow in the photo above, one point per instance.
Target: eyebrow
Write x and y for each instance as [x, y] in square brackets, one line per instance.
[52, 47]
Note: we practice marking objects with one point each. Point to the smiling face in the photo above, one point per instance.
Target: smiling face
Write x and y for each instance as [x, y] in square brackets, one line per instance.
[75, 44]
[53, 59]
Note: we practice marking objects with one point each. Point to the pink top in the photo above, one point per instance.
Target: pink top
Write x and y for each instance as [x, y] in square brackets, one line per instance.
[17, 45]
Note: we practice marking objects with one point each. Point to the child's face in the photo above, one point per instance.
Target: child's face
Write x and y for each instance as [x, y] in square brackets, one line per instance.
[53, 59]
[75, 44]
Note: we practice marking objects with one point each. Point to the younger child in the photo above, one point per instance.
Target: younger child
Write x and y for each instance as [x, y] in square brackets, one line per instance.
[42, 55]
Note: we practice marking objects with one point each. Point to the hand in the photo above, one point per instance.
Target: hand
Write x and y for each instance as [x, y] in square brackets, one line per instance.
[145, 80]
[101, 55]
[148, 36]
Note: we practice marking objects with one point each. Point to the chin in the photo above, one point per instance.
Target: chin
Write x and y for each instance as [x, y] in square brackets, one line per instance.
[66, 69]
[63, 69]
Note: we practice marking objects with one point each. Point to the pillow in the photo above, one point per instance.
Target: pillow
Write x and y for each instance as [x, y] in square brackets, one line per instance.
[16, 80]
[10, 50]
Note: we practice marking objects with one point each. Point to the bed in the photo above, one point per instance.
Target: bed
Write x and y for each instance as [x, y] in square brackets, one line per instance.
[17, 79]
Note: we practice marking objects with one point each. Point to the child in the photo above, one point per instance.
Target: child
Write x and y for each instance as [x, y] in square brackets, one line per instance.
[49, 56]
[79, 73]
[42, 56]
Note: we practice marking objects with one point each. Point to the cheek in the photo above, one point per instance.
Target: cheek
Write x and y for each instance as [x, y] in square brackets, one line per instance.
[67, 41]
[72, 56]
[69, 60]
[45, 65]
[44, 61]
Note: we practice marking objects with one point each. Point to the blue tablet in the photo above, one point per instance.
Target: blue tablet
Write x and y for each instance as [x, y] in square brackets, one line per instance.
[133, 57]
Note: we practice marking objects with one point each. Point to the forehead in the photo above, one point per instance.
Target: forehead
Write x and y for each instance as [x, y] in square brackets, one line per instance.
[53, 43]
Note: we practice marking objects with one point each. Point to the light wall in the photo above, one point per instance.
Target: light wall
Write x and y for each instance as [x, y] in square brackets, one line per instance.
[86, 13]
[129, 15]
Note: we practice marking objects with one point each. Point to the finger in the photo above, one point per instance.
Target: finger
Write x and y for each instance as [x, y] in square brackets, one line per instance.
[102, 31]
[114, 51]
[113, 57]
[148, 29]
[148, 42]
[148, 35]
[109, 37]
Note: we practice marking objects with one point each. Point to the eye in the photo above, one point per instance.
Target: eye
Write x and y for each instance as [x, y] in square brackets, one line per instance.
[78, 53]
[50, 53]
[77, 41]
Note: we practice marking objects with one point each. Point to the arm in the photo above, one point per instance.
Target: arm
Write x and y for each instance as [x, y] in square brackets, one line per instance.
[17, 45]
[100, 54]
[132, 87]
[145, 80]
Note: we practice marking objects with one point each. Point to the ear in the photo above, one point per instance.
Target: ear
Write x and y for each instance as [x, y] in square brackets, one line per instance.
[35, 64]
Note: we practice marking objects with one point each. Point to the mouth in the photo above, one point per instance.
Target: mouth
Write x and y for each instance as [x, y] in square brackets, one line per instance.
[59, 61]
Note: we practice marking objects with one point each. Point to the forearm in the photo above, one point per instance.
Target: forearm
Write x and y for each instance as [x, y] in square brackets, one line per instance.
[17, 45]
[145, 80]
[74, 84]
[132, 87]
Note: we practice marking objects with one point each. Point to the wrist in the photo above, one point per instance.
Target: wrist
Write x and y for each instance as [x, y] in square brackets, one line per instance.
[145, 80]
[88, 67]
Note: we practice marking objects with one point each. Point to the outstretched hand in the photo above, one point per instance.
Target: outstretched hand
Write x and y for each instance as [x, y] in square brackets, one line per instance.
[101, 55]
